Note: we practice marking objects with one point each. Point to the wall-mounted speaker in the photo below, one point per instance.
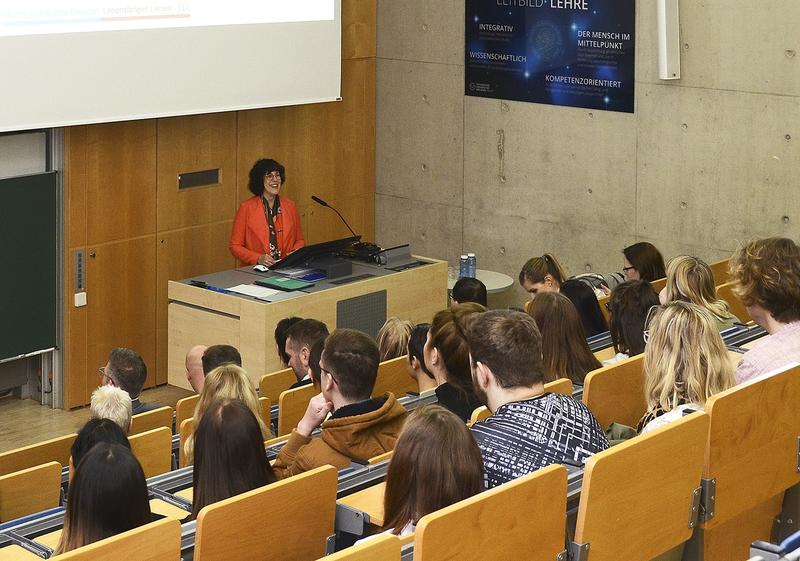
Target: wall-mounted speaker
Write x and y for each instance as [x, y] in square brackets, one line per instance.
[669, 40]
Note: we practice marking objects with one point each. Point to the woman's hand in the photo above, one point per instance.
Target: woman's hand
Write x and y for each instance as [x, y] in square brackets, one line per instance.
[266, 260]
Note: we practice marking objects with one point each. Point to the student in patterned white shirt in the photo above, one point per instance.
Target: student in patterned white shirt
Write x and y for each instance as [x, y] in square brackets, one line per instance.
[529, 429]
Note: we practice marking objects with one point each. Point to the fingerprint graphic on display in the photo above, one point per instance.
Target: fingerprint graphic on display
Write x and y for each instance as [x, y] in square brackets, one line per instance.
[545, 42]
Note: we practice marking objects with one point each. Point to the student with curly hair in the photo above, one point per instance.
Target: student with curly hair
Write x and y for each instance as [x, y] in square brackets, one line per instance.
[767, 273]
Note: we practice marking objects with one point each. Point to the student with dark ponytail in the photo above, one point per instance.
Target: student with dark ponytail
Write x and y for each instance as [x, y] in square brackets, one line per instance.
[542, 274]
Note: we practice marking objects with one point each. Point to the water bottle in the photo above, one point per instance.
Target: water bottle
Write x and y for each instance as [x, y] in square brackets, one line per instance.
[473, 265]
[463, 269]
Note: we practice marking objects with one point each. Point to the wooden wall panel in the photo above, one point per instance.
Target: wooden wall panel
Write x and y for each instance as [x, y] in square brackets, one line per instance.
[196, 143]
[359, 29]
[328, 149]
[121, 180]
[122, 303]
[122, 201]
[182, 254]
[321, 224]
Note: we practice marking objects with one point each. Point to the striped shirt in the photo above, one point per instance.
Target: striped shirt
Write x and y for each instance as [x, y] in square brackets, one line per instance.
[523, 436]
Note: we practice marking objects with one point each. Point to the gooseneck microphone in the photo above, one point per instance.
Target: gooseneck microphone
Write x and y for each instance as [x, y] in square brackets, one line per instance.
[319, 201]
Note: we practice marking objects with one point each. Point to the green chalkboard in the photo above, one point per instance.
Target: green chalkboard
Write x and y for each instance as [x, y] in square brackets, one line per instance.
[28, 269]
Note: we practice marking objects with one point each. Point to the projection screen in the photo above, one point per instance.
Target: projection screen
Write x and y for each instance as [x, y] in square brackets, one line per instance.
[92, 61]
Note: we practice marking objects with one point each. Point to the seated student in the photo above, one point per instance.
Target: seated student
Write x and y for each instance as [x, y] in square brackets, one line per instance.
[229, 455]
[685, 363]
[447, 358]
[359, 428]
[585, 301]
[112, 403]
[416, 360]
[96, 430]
[125, 369]
[107, 496]
[228, 381]
[280, 338]
[435, 464]
[393, 337]
[220, 355]
[642, 261]
[565, 352]
[767, 273]
[541, 274]
[299, 340]
[313, 362]
[629, 304]
[528, 429]
[691, 280]
[194, 367]
[469, 290]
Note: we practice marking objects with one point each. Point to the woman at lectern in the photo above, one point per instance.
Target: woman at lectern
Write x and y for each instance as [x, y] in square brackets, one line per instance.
[267, 227]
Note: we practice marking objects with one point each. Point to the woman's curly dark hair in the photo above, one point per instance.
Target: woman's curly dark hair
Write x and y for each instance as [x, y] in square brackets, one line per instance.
[259, 170]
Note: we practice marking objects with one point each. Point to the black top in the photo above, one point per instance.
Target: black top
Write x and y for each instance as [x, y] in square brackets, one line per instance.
[359, 408]
[137, 406]
[301, 383]
[456, 401]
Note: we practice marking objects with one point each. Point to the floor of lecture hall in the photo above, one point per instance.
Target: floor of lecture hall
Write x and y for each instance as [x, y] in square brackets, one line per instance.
[24, 421]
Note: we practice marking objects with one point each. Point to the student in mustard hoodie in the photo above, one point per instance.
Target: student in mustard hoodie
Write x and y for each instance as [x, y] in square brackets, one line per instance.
[359, 427]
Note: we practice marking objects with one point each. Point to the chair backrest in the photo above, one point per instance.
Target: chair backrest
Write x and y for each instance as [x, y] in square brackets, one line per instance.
[562, 386]
[184, 409]
[637, 497]
[29, 491]
[523, 519]
[153, 449]
[605, 354]
[383, 548]
[615, 393]
[381, 458]
[289, 521]
[274, 384]
[266, 410]
[725, 292]
[603, 303]
[720, 271]
[393, 377]
[292, 406]
[53, 450]
[753, 443]
[157, 541]
[659, 284]
[186, 429]
[143, 422]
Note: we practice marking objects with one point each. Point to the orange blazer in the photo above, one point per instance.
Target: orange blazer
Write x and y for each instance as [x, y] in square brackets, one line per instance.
[250, 237]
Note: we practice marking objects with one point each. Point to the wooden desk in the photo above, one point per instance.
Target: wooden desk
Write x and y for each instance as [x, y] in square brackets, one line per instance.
[187, 494]
[198, 316]
[157, 506]
[369, 500]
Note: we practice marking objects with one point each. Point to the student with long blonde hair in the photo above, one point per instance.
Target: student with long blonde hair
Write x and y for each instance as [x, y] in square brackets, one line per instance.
[691, 280]
[685, 363]
[226, 382]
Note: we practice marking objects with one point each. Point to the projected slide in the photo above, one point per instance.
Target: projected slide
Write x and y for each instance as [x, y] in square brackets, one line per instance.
[39, 17]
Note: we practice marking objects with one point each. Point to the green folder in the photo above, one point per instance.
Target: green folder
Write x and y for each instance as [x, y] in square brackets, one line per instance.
[284, 283]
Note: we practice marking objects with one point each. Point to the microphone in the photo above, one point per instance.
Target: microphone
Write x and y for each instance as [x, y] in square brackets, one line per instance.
[319, 201]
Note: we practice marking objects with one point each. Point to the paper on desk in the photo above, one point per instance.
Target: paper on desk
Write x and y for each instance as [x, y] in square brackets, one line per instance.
[255, 291]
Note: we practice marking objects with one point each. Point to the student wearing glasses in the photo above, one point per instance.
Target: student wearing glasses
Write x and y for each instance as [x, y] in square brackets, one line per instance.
[642, 261]
[267, 227]
[359, 427]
